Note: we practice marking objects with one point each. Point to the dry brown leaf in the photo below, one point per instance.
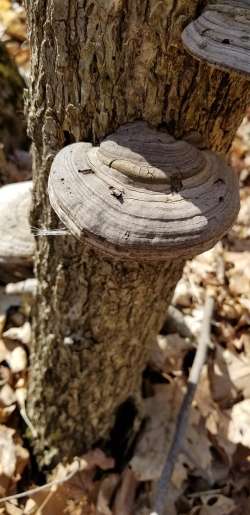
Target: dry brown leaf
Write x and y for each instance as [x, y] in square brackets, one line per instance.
[2, 323]
[21, 334]
[7, 395]
[30, 507]
[180, 472]
[21, 55]
[125, 497]
[13, 459]
[78, 494]
[239, 273]
[6, 301]
[244, 214]
[14, 354]
[6, 412]
[160, 412]
[106, 491]
[11, 509]
[17, 359]
[22, 460]
[239, 425]
[5, 5]
[7, 452]
[219, 505]
[150, 454]
[229, 375]
[169, 351]
[197, 446]
[216, 421]
[182, 295]
[13, 22]
[4, 351]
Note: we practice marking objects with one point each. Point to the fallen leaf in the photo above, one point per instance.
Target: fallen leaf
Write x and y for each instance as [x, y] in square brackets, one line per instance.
[4, 351]
[11, 509]
[7, 452]
[106, 492]
[160, 413]
[21, 334]
[13, 459]
[239, 274]
[217, 505]
[239, 424]
[182, 296]
[7, 395]
[125, 497]
[169, 351]
[77, 494]
[229, 375]
[30, 507]
[6, 412]
[17, 359]
[14, 22]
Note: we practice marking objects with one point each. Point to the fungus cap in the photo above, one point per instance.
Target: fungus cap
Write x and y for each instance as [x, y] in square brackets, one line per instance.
[16, 240]
[221, 36]
[143, 195]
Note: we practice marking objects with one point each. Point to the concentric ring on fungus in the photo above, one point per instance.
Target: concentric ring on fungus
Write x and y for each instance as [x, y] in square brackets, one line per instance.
[16, 242]
[221, 36]
[143, 195]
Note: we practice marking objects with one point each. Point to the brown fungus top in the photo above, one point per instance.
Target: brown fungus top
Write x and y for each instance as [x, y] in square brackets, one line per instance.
[143, 195]
[221, 36]
[16, 241]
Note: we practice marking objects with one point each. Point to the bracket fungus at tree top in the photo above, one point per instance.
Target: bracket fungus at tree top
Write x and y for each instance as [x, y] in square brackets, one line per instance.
[16, 241]
[221, 36]
[143, 195]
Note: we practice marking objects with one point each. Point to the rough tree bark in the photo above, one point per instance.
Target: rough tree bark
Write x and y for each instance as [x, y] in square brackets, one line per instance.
[12, 122]
[96, 65]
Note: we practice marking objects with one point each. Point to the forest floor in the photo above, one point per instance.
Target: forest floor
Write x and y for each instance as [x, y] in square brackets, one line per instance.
[212, 472]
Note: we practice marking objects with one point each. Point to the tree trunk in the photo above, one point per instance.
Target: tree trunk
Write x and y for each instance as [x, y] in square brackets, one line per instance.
[95, 66]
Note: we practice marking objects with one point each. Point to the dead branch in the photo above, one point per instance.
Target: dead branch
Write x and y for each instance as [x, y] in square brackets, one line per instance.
[182, 420]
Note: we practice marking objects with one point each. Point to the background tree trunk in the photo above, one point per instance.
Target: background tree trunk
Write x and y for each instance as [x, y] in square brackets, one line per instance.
[12, 120]
[96, 65]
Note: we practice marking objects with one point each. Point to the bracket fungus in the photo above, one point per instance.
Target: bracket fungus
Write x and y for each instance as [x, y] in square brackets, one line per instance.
[221, 36]
[16, 240]
[143, 195]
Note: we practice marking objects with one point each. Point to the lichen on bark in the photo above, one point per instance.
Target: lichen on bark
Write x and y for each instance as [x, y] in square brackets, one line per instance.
[96, 65]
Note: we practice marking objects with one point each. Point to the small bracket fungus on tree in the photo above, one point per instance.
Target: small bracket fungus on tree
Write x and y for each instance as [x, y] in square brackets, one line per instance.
[221, 36]
[143, 195]
[16, 240]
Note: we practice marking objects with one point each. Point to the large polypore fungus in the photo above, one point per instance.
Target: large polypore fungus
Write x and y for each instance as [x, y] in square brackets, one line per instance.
[143, 195]
[16, 240]
[221, 36]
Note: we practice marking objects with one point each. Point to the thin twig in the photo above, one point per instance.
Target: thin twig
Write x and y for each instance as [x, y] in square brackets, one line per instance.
[49, 231]
[47, 486]
[182, 420]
